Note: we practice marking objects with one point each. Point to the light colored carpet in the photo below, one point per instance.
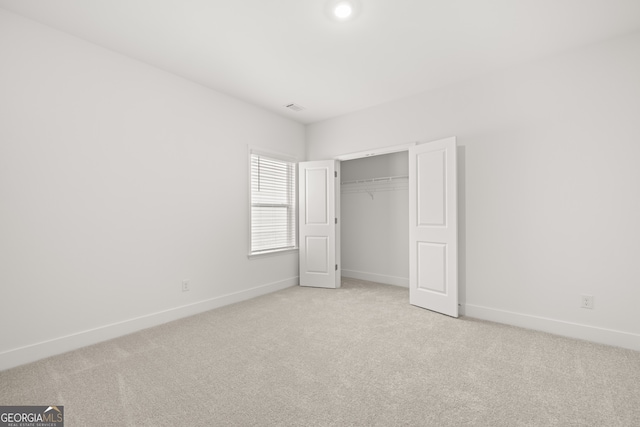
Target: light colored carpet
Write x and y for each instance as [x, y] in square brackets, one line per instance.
[360, 355]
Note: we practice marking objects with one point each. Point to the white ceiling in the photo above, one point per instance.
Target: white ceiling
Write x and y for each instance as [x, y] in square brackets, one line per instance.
[275, 52]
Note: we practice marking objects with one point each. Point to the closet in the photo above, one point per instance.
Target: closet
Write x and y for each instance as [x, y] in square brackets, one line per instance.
[381, 229]
[374, 210]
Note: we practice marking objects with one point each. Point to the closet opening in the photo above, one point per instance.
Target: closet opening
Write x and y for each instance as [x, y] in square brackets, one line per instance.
[374, 212]
[379, 229]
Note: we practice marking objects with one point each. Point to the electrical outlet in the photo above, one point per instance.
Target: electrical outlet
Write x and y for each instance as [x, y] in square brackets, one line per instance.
[185, 286]
[586, 301]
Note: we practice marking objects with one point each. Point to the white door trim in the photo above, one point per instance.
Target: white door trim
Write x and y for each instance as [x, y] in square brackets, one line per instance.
[375, 152]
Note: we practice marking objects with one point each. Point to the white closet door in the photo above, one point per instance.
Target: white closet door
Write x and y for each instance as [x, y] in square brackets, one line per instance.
[433, 227]
[318, 218]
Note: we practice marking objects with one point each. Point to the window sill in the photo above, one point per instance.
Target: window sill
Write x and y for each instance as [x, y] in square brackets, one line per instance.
[272, 253]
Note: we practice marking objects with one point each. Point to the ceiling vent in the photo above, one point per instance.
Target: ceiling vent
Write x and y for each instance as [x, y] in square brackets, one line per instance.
[294, 107]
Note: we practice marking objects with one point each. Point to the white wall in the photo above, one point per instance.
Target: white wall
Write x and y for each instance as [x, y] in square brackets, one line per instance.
[375, 225]
[118, 181]
[550, 185]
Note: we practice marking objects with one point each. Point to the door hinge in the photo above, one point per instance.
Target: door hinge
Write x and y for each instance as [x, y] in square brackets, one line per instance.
[335, 174]
[336, 220]
[336, 267]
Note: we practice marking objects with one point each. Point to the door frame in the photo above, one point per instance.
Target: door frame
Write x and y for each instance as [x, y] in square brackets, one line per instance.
[376, 152]
[361, 155]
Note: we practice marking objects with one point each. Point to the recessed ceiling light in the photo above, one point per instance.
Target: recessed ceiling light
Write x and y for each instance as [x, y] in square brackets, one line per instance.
[343, 10]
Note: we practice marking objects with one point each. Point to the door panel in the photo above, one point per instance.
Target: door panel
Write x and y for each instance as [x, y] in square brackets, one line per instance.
[318, 217]
[432, 261]
[317, 254]
[316, 206]
[431, 184]
[433, 234]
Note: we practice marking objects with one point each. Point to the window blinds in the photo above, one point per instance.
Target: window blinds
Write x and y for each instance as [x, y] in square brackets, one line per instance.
[273, 203]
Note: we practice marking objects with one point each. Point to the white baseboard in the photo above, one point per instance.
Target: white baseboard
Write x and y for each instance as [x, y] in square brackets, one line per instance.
[379, 278]
[41, 350]
[557, 327]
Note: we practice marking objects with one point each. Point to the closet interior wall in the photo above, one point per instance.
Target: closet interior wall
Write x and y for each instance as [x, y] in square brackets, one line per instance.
[374, 206]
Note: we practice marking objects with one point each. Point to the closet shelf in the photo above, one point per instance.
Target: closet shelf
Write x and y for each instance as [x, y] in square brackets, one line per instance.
[382, 179]
[373, 185]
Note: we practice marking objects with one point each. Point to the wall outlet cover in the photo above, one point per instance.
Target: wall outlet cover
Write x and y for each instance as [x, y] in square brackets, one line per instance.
[586, 301]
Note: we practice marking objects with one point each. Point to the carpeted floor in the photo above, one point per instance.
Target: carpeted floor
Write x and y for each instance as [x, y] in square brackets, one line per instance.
[360, 355]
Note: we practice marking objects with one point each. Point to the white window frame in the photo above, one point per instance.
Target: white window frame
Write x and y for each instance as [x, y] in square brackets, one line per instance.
[293, 202]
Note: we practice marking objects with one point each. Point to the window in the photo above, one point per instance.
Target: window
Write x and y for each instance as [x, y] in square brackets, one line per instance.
[273, 203]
